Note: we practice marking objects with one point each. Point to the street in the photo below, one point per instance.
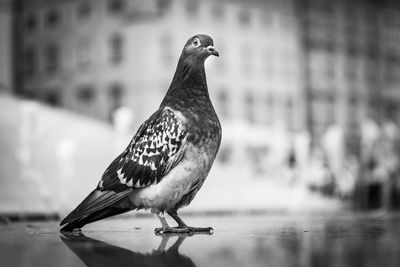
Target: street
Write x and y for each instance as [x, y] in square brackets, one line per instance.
[238, 240]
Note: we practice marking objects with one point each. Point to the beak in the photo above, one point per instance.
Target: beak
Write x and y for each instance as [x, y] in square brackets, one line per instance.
[212, 51]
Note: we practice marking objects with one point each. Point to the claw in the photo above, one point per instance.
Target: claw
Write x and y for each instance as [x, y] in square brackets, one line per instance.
[175, 230]
[184, 230]
[202, 230]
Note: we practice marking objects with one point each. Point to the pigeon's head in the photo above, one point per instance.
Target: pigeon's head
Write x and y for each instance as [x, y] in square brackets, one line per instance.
[199, 47]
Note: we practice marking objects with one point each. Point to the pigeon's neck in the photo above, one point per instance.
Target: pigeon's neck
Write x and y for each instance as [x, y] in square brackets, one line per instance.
[188, 87]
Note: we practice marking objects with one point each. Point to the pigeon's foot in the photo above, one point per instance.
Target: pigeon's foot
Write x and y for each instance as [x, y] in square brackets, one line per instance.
[201, 230]
[172, 230]
[183, 230]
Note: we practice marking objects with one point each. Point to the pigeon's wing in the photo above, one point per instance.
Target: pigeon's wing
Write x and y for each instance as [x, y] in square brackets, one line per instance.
[156, 148]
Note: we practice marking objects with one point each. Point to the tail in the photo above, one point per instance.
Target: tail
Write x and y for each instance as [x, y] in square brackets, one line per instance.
[96, 206]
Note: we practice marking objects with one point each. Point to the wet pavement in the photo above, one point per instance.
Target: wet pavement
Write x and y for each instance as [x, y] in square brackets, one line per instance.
[263, 240]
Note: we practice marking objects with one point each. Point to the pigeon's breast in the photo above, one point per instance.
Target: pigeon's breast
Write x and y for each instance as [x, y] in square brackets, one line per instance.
[205, 131]
[185, 178]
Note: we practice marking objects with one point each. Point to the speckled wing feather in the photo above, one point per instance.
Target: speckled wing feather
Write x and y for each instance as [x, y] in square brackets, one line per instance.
[154, 150]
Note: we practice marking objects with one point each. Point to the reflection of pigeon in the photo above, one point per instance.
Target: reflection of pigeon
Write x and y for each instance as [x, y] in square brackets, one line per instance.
[170, 156]
[96, 253]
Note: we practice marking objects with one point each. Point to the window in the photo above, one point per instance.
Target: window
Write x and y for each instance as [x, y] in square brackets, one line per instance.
[329, 70]
[86, 93]
[116, 6]
[322, 69]
[223, 103]
[84, 10]
[353, 112]
[52, 58]
[192, 7]
[372, 51]
[352, 49]
[29, 59]
[391, 75]
[324, 112]
[266, 18]
[244, 16]
[351, 68]
[225, 154]
[269, 60]
[374, 106]
[116, 48]
[371, 74]
[83, 54]
[52, 97]
[116, 93]
[217, 11]
[289, 113]
[250, 101]
[390, 109]
[352, 30]
[52, 18]
[247, 57]
[221, 65]
[31, 22]
[285, 22]
[167, 50]
[163, 5]
[269, 102]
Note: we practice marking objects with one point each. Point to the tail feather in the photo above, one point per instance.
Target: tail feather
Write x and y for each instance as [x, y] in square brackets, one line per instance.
[97, 205]
[101, 214]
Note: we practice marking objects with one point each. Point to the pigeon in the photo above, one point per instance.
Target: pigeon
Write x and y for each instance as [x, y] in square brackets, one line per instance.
[168, 159]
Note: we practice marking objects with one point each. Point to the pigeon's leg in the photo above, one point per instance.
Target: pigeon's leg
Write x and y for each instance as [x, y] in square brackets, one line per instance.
[177, 243]
[182, 224]
[166, 229]
[163, 244]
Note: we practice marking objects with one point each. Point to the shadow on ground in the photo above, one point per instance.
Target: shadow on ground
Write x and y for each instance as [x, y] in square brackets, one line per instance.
[97, 253]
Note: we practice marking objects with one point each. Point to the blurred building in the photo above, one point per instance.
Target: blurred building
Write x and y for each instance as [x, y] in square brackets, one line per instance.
[351, 64]
[93, 56]
[296, 85]
[289, 70]
[389, 60]
[6, 51]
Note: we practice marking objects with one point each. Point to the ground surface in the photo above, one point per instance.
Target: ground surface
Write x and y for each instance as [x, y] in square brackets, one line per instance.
[263, 240]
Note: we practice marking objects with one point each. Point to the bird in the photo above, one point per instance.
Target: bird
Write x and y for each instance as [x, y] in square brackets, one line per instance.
[168, 159]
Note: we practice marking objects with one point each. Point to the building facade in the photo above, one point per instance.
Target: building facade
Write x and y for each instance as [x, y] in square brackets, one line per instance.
[6, 22]
[350, 65]
[286, 67]
[92, 56]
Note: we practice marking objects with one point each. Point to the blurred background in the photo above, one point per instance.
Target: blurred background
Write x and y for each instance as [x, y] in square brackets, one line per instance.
[307, 91]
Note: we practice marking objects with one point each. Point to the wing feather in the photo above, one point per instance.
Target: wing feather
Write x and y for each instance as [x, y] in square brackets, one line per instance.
[154, 150]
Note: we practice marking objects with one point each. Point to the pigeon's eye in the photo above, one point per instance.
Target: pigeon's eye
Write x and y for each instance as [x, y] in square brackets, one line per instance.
[196, 42]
